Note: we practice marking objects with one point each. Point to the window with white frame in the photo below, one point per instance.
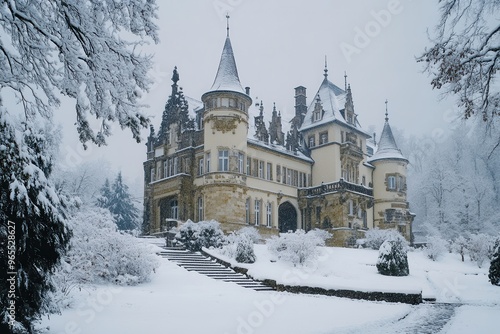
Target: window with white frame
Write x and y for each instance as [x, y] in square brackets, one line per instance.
[223, 160]
[391, 182]
[201, 165]
[312, 141]
[269, 214]
[176, 163]
[165, 168]
[269, 171]
[350, 207]
[261, 169]
[174, 209]
[247, 211]
[249, 166]
[241, 159]
[323, 138]
[152, 176]
[257, 212]
[207, 158]
[200, 209]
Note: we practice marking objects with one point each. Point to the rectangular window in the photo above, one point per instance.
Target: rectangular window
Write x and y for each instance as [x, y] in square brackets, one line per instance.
[255, 167]
[278, 173]
[152, 176]
[261, 169]
[174, 209]
[176, 162]
[257, 212]
[269, 171]
[323, 138]
[295, 178]
[200, 208]
[165, 168]
[301, 179]
[283, 178]
[249, 166]
[247, 211]
[207, 160]
[223, 160]
[289, 176]
[391, 182]
[269, 214]
[200, 166]
[241, 159]
[311, 141]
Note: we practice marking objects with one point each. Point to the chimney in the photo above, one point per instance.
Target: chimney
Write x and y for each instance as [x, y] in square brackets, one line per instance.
[247, 91]
[300, 104]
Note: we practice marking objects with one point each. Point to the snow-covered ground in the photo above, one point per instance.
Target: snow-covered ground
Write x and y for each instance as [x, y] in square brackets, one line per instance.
[178, 301]
[447, 280]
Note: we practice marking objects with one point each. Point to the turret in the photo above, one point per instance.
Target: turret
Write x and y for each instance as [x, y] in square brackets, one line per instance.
[391, 208]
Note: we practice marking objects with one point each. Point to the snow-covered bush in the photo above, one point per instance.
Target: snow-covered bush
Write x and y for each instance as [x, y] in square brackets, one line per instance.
[435, 247]
[99, 253]
[480, 248]
[298, 247]
[392, 259]
[374, 238]
[494, 272]
[251, 232]
[195, 236]
[244, 249]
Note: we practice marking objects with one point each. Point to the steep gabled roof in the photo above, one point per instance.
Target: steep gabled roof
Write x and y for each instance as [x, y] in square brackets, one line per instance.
[333, 100]
[227, 75]
[387, 147]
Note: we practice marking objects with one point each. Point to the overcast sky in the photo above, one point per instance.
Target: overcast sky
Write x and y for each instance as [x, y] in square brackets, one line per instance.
[279, 45]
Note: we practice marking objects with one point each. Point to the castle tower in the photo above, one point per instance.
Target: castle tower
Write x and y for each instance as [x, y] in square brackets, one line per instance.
[225, 123]
[391, 209]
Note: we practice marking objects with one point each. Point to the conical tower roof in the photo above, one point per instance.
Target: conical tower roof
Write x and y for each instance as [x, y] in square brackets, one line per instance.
[227, 75]
[387, 149]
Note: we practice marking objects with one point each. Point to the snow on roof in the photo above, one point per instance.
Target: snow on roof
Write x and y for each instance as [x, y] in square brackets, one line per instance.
[280, 149]
[387, 147]
[333, 100]
[227, 75]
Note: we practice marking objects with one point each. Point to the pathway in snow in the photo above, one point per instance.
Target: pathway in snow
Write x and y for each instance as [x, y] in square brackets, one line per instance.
[208, 267]
[423, 318]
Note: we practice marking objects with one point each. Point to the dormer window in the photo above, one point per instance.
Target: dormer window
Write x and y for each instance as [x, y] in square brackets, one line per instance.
[318, 110]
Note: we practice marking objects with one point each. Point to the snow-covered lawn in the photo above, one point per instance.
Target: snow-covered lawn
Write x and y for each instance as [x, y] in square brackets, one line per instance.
[179, 301]
[447, 280]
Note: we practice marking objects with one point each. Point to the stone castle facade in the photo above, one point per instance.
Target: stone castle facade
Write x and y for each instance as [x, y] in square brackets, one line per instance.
[211, 159]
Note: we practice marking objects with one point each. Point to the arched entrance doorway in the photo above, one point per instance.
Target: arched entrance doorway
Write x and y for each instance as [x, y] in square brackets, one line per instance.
[287, 217]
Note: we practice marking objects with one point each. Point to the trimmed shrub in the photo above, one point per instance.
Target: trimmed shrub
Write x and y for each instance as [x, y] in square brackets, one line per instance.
[244, 250]
[392, 259]
[195, 236]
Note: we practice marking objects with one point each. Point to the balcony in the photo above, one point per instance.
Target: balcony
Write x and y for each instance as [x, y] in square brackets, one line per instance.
[335, 187]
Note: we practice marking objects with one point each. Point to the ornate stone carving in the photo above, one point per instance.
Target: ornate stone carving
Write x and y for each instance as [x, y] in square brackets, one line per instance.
[224, 123]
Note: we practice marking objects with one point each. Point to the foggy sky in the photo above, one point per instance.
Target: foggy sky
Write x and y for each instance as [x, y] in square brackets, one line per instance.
[279, 45]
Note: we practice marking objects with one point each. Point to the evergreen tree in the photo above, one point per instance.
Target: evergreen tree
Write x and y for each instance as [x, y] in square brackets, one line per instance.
[494, 274]
[105, 197]
[120, 205]
[32, 215]
[392, 259]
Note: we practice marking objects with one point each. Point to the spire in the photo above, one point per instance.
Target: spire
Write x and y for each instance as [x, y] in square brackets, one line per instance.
[227, 78]
[227, 24]
[386, 113]
[326, 69]
[387, 147]
[345, 80]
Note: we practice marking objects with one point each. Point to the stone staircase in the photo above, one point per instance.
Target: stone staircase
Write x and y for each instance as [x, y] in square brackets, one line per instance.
[195, 261]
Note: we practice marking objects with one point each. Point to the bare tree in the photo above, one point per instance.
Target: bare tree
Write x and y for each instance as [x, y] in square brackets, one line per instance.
[465, 58]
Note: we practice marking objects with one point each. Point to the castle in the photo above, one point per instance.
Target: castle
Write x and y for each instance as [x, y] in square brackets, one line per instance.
[211, 160]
